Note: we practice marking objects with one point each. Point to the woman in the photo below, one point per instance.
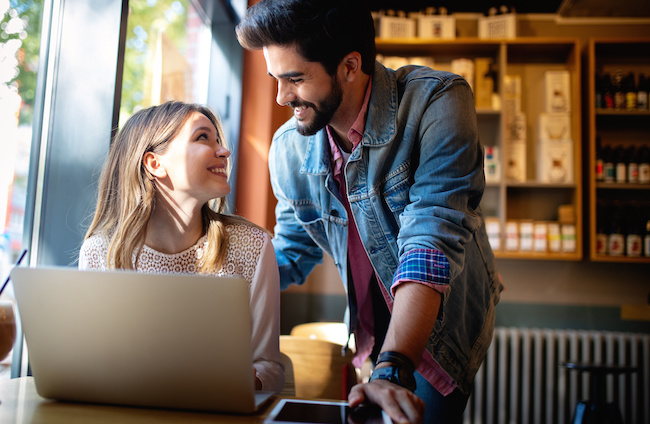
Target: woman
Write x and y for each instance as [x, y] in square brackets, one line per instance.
[153, 214]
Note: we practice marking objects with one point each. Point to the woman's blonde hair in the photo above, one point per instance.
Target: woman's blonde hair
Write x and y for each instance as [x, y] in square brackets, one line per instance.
[126, 189]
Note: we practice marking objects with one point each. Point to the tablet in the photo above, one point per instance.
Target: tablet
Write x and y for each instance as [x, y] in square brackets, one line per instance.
[292, 411]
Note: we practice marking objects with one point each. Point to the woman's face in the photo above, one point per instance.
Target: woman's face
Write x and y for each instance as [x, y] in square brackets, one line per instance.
[195, 162]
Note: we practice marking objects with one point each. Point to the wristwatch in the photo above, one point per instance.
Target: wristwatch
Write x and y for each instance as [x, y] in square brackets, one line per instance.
[400, 371]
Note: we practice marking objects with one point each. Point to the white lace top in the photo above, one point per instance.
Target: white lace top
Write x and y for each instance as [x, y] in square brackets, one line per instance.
[250, 256]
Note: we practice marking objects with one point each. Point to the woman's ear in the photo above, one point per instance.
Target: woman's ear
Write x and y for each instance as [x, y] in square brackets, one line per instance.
[153, 165]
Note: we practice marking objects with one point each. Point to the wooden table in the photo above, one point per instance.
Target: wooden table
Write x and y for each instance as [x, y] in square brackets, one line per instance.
[20, 403]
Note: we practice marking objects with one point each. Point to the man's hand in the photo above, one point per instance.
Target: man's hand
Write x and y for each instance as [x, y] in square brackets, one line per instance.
[402, 405]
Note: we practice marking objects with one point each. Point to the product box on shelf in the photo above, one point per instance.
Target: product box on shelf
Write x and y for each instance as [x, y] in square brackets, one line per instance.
[493, 229]
[498, 26]
[396, 62]
[515, 157]
[436, 26]
[555, 161]
[393, 62]
[516, 162]
[554, 237]
[566, 214]
[540, 236]
[422, 61]
[492, 164]
[526, 232]
[557, 91]
[554, 126]
[511, 94]
[568, 234]
[512, 236]
[484, 83]
[554, 149]
[395, 26]
[465, 68]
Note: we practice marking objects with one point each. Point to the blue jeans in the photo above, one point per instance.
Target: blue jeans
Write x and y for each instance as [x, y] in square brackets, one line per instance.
[440, 409]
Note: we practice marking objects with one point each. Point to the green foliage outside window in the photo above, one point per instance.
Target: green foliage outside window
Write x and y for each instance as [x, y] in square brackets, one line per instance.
[146, 17]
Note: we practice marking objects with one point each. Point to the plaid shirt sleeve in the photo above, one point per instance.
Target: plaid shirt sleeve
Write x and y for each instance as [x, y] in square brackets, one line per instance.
[425, 266]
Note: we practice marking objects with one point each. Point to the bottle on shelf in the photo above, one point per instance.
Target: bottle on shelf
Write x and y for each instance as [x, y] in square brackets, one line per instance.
[632, 165]
[609, 171]
[642, 92]
[616, 238]
[608, 92]
[630, 91]
[644, 165]
[634, 233]
[646, 231]
[619, 90]
[620, 165]
[601, 228]
[599, 98]
[600, 162]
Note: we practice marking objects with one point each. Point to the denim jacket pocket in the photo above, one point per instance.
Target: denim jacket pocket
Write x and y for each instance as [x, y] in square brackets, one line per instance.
[310, 218]
[396, 190]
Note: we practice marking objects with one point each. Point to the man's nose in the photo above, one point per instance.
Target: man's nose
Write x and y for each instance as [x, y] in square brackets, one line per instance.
[285, 94]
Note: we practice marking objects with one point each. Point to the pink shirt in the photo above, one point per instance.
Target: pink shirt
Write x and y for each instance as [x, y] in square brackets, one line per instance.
[362, 269]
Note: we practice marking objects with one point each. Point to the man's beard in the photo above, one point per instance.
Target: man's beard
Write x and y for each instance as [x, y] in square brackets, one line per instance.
[323, 113]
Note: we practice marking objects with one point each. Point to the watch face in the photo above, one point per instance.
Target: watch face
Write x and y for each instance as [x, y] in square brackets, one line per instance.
[406, 380]
[395, 375]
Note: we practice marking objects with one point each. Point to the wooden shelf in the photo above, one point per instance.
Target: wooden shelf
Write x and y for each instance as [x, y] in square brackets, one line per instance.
[622, 112]
[614, 128]
[549, 256]
[622, 186]
[621, 259]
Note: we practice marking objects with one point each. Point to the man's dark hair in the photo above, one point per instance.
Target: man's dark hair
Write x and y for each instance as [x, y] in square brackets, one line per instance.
[323, 31]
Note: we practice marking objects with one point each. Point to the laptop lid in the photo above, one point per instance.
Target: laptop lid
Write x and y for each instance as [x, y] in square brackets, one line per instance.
[122, 337]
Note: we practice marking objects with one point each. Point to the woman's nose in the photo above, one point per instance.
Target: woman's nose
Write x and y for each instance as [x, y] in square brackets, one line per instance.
[222, 152]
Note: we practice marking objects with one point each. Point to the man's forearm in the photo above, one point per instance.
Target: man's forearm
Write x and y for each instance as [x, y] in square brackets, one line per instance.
[414, 314]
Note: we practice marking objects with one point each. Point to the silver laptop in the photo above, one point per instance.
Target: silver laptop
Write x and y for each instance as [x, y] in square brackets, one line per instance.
[127, 338]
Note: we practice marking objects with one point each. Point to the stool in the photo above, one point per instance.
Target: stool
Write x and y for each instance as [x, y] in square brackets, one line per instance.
[597, 410]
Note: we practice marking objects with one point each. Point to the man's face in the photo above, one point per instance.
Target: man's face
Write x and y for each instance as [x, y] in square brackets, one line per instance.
[313, 94]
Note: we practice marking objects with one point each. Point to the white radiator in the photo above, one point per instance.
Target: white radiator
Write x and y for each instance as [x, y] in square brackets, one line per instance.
[523, 381]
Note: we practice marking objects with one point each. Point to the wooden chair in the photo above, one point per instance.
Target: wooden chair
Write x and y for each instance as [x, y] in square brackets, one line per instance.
[320, 369]
[335, 332]
[289, 383]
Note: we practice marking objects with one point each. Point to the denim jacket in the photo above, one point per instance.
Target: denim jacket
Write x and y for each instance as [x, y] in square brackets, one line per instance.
[415, 182]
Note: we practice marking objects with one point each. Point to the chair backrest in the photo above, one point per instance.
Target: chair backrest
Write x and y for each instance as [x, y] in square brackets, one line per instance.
[320, 368]
[336, 332]
[289, 382]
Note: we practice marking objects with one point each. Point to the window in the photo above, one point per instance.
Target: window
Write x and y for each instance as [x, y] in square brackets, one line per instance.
[19, 53]
[166, 56]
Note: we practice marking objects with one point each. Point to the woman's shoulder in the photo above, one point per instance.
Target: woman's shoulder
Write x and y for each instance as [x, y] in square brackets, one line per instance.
[239, 225]
[246, 247]
[93, 252]
[97, 241]
[246, 232]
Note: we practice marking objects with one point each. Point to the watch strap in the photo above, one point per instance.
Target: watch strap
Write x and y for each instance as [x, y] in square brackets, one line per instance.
[396, 358]
[400, 371]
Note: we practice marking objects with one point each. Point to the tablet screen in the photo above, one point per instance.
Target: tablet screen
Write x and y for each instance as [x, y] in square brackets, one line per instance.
[323, 412]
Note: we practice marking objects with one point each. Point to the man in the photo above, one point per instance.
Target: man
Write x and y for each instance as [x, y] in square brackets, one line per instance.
[383, 171]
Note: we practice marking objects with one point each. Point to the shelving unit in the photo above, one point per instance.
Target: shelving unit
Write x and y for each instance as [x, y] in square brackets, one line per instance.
[614, 128]
[527, 58]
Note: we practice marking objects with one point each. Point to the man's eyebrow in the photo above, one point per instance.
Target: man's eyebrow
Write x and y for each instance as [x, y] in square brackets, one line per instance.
[290, 74]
